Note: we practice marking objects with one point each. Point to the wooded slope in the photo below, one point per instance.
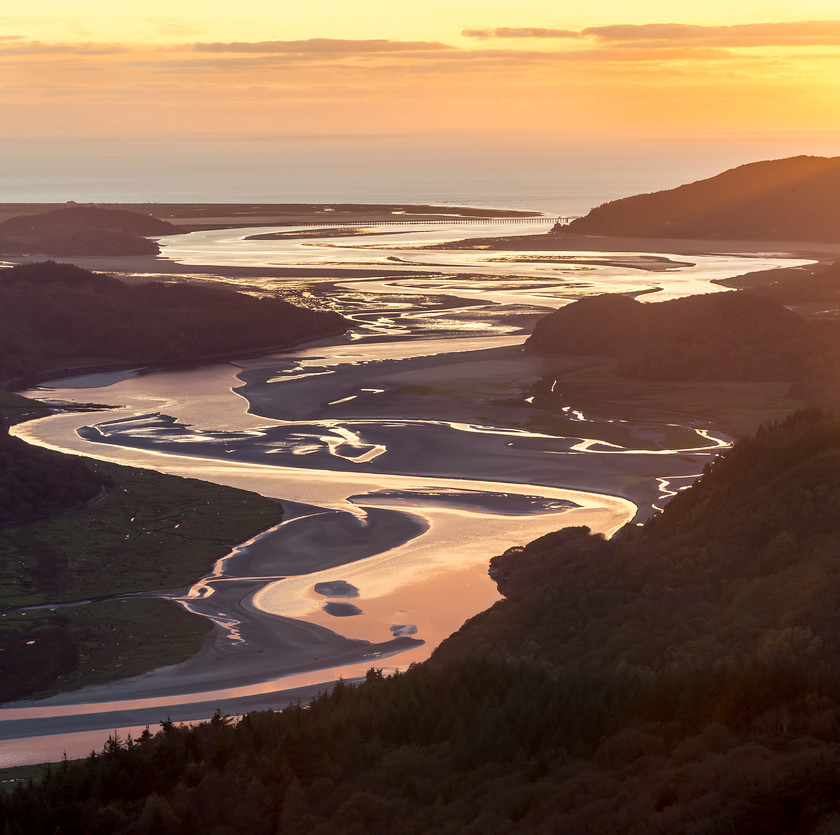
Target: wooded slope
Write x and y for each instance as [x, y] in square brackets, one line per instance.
[51, 313]
[720, 336]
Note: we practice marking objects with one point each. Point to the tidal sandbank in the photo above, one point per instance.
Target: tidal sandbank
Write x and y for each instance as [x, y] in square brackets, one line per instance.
[575, 242]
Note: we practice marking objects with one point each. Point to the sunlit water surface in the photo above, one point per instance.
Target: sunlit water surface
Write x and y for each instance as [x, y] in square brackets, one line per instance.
[393, 505]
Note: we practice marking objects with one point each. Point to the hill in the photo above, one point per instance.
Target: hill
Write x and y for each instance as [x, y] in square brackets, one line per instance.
[737, 568]
[794, 199]
[35, 484]
[682, 677]
[823, 287]
[87, 242]
[721, 336]
[54, 313]
[83, 230]
[83, 219]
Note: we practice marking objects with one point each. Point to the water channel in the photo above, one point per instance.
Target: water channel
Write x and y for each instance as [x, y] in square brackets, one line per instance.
[405, 453]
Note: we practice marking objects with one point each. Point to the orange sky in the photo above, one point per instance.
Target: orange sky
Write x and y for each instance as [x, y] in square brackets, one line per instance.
[96, 66]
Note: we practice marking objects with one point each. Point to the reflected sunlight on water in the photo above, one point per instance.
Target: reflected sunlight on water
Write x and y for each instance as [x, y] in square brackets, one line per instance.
[363, 439]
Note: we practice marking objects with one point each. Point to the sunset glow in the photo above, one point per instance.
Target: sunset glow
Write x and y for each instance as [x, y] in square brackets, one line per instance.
[334, 67]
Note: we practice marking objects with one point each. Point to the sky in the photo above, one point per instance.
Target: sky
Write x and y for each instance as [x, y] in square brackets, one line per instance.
[323, 66]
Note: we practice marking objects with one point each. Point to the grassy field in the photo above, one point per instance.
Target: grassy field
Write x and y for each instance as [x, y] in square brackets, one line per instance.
[151, 532]
[11, 777]
[16, 409]
[48, 651]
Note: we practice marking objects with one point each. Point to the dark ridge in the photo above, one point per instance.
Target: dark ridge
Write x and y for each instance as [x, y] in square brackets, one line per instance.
[36, 484]
[748, 552]
[88, 242]
[51, 314]
[83, 230]
[788, 199]
[721, 336]
[83, 219]
[824, 287]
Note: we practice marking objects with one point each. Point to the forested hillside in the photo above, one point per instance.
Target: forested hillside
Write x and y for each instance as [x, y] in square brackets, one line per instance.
[794, 199]
[720, 336]
[35, 484]
[682, 677]
[51, 313]
[740, 566]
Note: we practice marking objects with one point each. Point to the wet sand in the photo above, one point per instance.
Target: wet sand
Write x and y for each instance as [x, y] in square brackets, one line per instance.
[575, 242]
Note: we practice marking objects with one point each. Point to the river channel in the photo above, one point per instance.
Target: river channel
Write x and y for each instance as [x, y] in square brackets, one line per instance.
[405, 453]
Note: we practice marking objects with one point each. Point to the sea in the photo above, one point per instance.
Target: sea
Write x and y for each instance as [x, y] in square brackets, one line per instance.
[559, 173]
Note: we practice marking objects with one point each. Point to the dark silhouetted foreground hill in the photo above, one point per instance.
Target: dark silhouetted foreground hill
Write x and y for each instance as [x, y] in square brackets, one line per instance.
[738, 569]
[51, 313]
[787, 199]
[83, 230]
[682, 677]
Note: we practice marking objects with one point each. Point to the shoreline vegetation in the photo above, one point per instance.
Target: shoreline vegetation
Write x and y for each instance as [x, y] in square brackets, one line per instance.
[80, 571]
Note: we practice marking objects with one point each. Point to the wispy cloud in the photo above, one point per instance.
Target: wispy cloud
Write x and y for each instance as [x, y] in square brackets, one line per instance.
[16, 45]
[454, 62]
[798, 33]
[801, 33]
[521, 32]
[323, 46]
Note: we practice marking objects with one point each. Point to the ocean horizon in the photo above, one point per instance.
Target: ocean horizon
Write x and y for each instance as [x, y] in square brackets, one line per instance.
[566, 174]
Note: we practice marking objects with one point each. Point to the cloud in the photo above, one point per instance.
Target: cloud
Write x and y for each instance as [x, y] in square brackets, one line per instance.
[522, 32]
[802, 33]
[323, 46]
[799, 33]
[16, 46]
[456, 64]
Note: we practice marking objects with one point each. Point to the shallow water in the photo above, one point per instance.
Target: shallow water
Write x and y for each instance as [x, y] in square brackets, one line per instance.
[531, 278]
[371, 441]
